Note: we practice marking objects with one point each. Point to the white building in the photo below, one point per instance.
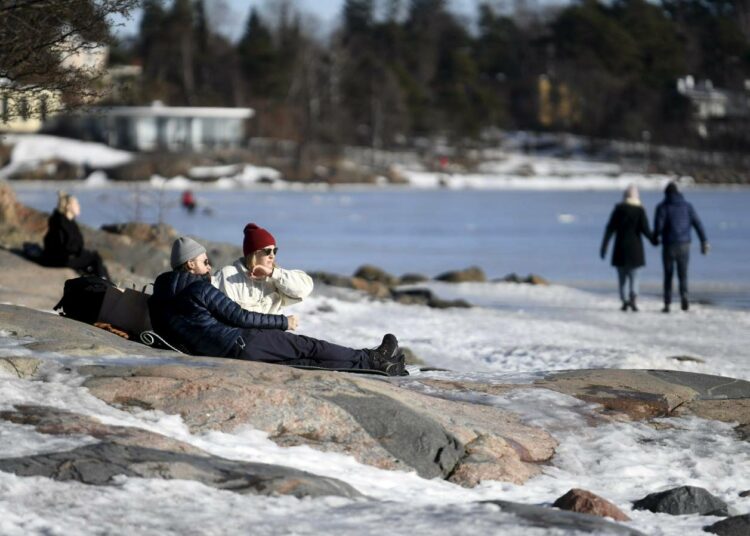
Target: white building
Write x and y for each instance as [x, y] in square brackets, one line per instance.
[713, 106]
[159, 127]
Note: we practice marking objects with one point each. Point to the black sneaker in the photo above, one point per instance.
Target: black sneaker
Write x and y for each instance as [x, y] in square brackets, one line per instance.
[633, 305]
[388, 357]
[666, 308]
[685, 304]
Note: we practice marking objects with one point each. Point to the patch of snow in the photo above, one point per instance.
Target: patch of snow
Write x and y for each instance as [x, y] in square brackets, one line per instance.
[32, 149]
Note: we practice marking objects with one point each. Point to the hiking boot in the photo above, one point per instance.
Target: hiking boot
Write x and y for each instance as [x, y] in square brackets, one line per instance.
[633, 306]
[388, 357]
[685, 304]
[624, 306]
[666, 308]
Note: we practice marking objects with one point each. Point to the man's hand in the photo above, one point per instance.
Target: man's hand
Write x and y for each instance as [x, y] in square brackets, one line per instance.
[293, 322]
[260, 272]
[705, 248]
[603, 252]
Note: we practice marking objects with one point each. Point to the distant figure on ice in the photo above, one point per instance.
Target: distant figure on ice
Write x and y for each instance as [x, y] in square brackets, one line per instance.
[190, 312]
[63, 243]
[188, 201]
[627, 222]
[672, 222]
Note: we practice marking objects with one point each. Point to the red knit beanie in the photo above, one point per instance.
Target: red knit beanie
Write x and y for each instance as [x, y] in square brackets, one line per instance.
[256, 238]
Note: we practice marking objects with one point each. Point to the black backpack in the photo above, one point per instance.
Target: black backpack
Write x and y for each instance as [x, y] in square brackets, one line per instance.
[82, 297]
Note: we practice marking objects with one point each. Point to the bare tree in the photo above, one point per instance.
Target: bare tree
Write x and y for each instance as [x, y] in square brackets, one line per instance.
[42, 43]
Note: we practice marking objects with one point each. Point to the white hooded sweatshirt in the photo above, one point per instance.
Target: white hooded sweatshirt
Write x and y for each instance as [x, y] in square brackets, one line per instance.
[267, 295]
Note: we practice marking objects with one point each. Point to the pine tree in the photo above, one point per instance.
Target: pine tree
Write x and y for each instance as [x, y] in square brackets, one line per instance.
[180, 29]
[151, 46]
[257, 57]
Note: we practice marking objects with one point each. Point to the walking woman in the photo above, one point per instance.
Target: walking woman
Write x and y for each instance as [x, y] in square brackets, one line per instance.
[256, 282]
[627, 222]
[63, 243]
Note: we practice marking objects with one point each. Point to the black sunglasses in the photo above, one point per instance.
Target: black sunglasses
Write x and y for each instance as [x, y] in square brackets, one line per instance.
[266, 252]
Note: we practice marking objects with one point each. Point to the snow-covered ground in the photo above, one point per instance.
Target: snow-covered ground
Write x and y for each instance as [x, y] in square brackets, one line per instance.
[506, 170]
[515, 332]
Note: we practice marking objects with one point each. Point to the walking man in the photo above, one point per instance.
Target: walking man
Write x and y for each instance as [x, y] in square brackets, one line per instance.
[672, 222]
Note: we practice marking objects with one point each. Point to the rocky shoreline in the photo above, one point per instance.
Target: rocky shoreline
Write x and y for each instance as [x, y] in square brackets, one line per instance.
[439, 428]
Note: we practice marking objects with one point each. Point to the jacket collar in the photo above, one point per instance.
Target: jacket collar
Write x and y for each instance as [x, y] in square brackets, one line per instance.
[172, 283]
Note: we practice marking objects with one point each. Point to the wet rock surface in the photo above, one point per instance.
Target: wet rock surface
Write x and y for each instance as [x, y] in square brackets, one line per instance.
[568, 522]
[731, 526]
[585, 502]
[133, 452]
[639, 394]
[683, 500]
[373, 420]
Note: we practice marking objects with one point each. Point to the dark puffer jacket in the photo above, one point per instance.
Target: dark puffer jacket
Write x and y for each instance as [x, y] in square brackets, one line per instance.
[62, 241]
[188, 311]
[673, 219]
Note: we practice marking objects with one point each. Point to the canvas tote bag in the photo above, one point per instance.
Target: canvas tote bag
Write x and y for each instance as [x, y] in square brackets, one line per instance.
[126, 309]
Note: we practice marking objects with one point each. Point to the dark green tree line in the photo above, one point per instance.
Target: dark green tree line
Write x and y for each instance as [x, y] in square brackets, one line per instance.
[395, 69]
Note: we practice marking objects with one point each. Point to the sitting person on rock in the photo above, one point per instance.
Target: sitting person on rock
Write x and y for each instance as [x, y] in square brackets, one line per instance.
[256, 282]
[192, 314]
[63, 243]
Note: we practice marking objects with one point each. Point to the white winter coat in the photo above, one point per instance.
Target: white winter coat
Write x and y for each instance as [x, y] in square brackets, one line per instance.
[267, 295]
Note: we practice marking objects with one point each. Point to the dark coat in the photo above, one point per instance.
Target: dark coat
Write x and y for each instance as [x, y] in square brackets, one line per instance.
[188, 311]
[673, 219]
[62, 241]
[627, 222]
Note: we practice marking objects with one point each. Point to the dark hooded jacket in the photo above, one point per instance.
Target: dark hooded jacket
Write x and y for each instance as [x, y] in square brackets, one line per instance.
[189, 312]
[673, 219]
[62, 241]
[628, 222]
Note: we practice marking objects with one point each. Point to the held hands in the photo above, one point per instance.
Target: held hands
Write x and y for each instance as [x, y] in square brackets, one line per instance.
[705, 248]
[260, 272]
[293, 322]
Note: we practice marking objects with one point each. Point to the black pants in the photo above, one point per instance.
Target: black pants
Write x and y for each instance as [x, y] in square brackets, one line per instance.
[89, 262]
[285, 348]
[671, 255]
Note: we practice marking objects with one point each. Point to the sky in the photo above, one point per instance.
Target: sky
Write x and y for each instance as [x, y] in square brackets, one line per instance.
[235, 13]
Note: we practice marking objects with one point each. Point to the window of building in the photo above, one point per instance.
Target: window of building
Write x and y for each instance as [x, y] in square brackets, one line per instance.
[24, 110]
[43, 107]
[4, 109]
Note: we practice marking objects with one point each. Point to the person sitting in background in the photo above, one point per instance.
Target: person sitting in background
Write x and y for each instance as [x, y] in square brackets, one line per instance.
[63, 243]
[256, 282]
[189, 312]
[627, 222]
[672, 222]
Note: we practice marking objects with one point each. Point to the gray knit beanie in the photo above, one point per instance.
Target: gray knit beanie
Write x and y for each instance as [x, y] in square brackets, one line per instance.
[184, 249]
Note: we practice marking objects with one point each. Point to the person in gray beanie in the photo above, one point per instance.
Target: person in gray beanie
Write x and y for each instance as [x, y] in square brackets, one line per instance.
[184, 249]
[199, 319]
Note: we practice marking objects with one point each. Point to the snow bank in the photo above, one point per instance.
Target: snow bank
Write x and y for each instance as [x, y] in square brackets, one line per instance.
[30, 150]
